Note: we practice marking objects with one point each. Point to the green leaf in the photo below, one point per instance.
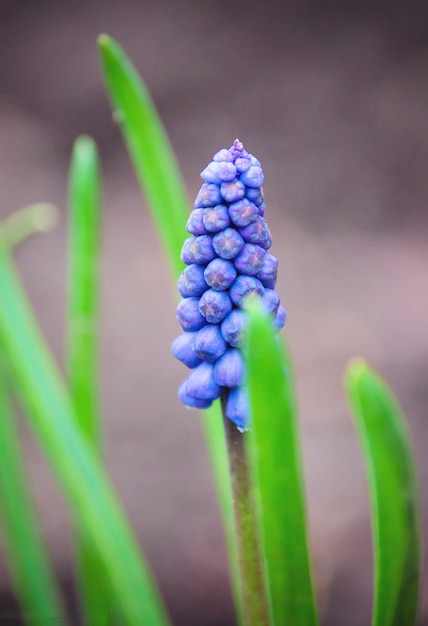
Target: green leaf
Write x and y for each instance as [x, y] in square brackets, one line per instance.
[29, 564]
[160, 179]
[274, 449]
[73, 460]
[393, 493]
[149, 149]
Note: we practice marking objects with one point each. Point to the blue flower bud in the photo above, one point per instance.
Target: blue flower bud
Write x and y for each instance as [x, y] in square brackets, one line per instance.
[209, 343]
[229, 371]
[198, 250]
[257, 232]
[243, 287]
[238, 408]
[223, 155]
[253, 177]
[183, 350]
[200, 384]
[268, 271]
[192, 281]
[228, 243]
[255, 195]
[216, 219]
[281, 316]
[218, 172]
[215, 306]
[243, 212]
[209, 195]
[250, 260]
[232, 191]
[195, 223]
[271, 301]
[191, 403]
[220, 274]
[242, 164]
[189, 316]
[232, 327]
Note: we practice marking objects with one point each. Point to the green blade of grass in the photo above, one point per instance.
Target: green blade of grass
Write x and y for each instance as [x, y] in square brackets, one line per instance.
[78, 469]
[274, 450]
[393, 493]
[82, 348]
[160, 179]
[30, 568]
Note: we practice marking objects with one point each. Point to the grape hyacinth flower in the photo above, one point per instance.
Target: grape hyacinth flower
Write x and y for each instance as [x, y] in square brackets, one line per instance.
[227, 261]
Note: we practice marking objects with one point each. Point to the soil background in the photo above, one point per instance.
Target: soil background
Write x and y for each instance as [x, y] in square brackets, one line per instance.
[333, 99]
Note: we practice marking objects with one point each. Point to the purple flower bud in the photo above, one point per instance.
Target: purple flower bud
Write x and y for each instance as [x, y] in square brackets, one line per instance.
[216, 219]
[215, 306]
[237, 149]
[198, 250]
[250, 260]
[209, 343]
[254, 160]
[242, 164]
[253, 177]
[189, 316]
[255, 195]
[192, 403]
[228, 243]
[218, 172]
[201, 383]
[223, 155]
[262, 208]
[268, 271]
[192, 281]
[238, 408]
[243, 212]
[232, 191]
[195, 224]
[257, 232]
[220, 274]
[209, 195]
[281, 316]
[183, 350]
[243, 287]
[229, 371]
[271, 301]
[232, 327]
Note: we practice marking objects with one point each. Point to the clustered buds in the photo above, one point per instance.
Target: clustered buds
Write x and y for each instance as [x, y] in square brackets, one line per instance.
[227, 261]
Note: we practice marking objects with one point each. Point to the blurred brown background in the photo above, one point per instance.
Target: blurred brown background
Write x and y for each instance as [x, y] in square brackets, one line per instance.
[333, 99]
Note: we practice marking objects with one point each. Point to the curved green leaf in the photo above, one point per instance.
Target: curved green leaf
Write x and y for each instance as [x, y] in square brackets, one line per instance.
[393, 493]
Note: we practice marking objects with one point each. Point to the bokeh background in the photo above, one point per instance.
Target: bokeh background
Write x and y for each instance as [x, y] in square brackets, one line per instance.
[333, 99]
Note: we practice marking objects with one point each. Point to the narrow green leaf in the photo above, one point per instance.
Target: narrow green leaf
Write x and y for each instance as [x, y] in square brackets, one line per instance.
[78, 469]
[82, 348]
[393, 493]
[160, 179]
[274, 449]
[30, 568]
[30, 220]
[149, 148]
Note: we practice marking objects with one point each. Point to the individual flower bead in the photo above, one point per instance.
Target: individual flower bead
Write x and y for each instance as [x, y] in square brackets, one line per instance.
[243, 287]
[216, 219]
[238, 408]
[232, 191]
[220, 274]
[271, 301]
[198, 250]
[257, 232]
[215, 306]
[228, 244]
[201, 384]
[192, 281]
[242, 164]
[255, 195]
[253, 176]
[209, 343]
[189, 316]
[229, 370]
[195, 223]
[243, 212]
[218, 172]
[223, 155]
[209, 195]
[232, 327]
[268, 271]
[183, 349]
[192, 403]
[250, 259]
[280, 318]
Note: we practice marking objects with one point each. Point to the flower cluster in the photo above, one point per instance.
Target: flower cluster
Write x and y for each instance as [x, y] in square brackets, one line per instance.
[227, 260]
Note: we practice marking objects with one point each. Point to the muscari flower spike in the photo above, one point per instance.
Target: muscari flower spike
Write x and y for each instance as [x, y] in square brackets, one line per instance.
[227, 261]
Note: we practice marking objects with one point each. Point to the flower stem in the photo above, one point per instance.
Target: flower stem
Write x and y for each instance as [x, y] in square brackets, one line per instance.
[255, 601]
